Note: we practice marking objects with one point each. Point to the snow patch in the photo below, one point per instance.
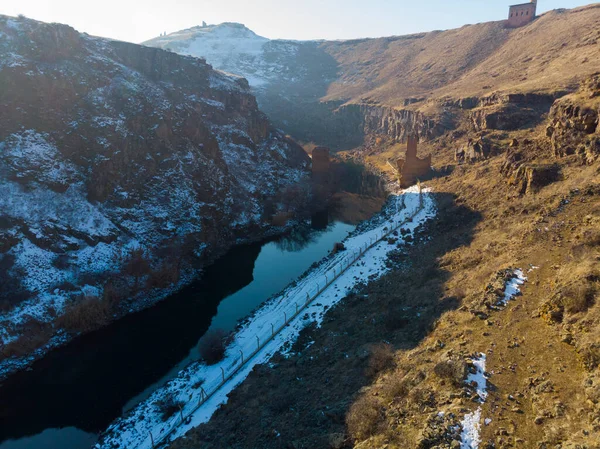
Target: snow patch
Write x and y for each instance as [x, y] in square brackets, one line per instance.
[513, 287]
[471, 423]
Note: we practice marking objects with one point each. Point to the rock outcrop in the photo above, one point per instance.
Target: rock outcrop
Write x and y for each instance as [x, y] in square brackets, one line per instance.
[511, 111]
[110, 149]
[475, 150]
[528, 178]
[574, 126]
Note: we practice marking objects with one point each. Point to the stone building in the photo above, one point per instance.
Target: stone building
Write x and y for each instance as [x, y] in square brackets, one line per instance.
[411, 168]
[522, 14]
[321, 162]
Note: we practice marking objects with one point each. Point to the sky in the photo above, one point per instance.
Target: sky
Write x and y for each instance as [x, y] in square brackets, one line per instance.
[140, 20]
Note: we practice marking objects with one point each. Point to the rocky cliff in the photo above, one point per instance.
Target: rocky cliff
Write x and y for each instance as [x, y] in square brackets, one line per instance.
[122, 168]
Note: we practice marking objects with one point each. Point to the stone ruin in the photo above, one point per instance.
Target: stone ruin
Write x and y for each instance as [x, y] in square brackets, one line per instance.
[321, 161]
[411, 168]
[521, 14]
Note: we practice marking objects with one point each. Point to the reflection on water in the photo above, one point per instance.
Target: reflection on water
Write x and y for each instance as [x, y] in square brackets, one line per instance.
[66, 438]
[88, 383]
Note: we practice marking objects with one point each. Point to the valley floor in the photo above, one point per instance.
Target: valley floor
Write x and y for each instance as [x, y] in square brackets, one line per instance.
[387, 367]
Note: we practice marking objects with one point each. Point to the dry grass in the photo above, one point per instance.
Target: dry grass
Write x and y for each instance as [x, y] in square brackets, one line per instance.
[474, 60]
[364, 417]
[381, 358]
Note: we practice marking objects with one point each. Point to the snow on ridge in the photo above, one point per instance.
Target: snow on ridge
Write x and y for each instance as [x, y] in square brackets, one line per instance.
[132, 431]
[234, 48]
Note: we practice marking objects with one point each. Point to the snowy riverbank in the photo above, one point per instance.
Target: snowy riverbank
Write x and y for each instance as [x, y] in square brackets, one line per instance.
[193, 383]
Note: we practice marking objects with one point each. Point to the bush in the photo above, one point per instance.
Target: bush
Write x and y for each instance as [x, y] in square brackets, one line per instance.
[590, 356]
[422, 398]
[168, 406]
[36, 335]
[165, 276]
[382, 358]
[61, 262]
[454, 370]
[396, 388]
[136, 264]
[395, 319]
[363, 418]
[577, 299]
[213, 345]
[84, 315]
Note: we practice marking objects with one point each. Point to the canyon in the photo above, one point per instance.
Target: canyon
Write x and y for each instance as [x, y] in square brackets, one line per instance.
[127, 168]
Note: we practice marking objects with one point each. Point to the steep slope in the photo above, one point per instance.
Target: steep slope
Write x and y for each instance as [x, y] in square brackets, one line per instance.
[122, 168]
[474, 60]
[374, 78]
[288, 77]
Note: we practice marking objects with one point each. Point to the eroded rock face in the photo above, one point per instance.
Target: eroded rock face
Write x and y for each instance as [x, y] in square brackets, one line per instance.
[510, 112]
[475, 150]
[526, 177]
[106, 146]
[574, 126]
[399, 124]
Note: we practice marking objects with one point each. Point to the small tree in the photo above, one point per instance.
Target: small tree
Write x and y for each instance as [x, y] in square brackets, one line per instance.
[137, 264]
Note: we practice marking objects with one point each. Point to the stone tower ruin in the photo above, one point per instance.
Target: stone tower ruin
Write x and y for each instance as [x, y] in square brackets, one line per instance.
[522, 14]
[411, 168]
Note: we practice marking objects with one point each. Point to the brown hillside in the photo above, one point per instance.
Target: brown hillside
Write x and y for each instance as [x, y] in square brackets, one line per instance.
[557, 50]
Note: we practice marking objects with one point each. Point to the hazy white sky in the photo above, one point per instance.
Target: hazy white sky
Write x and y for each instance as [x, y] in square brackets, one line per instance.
[140, 20]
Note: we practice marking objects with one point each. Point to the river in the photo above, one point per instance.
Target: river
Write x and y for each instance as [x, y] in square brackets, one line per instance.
[66, 399]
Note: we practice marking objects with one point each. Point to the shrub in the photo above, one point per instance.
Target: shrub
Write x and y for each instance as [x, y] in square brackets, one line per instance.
[422, 398]
[168, 406]
[36, 335]
[85, 314]
[136, 264]
[454, 370]
[382, 358]
[166, 275]
[337, 247]
[591, 237]
[590, 356]
[213, 345]
[396, 388]
[395, 319]
[363, 418]
[579, 298]
[61, 262]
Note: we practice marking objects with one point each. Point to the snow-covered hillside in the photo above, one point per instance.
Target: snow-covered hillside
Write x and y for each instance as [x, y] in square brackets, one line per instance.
[121, 166]
[236, 49]
[288, 77]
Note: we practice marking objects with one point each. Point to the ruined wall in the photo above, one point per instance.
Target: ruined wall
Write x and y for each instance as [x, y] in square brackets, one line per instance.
[321, 162]
[411, 168]
[519, 15]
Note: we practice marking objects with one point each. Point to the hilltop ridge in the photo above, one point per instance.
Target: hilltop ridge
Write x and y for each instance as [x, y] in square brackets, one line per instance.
[305, 87]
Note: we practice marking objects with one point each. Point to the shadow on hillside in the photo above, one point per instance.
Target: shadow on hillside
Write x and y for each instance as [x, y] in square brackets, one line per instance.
[86, 383]
[302, 401]
[296, 106]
